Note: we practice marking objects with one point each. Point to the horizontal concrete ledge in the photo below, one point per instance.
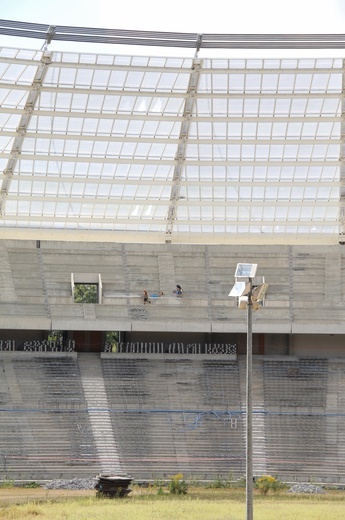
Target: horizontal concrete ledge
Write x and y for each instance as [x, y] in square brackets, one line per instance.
[54, 238]
[27, 354]
[21, 322]
[176, 325]
[84, 324]
[257, 328]
[318, 327]
[121, 355]
[171, 326]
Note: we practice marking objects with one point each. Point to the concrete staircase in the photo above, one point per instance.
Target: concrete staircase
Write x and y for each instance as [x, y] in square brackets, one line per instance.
[259, 436]
[242, 360]
[98, 410]
[258, 403]
[176, 402]
[8, 290]
[335, 425]
[20, 423]
[166, 271]
[36, 442]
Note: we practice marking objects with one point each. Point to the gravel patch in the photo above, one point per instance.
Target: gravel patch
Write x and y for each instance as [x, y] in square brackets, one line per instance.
[74, 483]
[306, 488]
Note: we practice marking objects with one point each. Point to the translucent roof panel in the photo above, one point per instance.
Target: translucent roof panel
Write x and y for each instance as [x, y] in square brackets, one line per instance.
[103, 147]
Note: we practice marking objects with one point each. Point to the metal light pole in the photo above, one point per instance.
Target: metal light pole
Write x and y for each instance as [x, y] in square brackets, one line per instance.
[247, 293]
[249, 408]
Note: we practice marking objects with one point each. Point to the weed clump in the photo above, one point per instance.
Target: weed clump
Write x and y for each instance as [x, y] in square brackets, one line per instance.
[177, 485]
[267, 483]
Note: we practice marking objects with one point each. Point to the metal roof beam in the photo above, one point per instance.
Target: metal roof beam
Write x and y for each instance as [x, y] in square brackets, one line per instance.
[333, 94]
[212, 183]
[200, 203]
[171, 39]
[147, 221]
[171, 140]
[22, 128]
[177, 118]
[172, 162]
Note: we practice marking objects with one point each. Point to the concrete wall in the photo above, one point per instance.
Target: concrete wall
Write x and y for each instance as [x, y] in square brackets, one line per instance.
[277, 344]
[306, 292]
[317, 345]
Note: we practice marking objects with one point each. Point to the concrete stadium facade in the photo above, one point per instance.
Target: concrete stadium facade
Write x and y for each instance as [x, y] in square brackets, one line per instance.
[128, 173]
[304, 306]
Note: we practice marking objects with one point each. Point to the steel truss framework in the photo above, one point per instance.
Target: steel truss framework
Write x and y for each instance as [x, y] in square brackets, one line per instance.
[125, 148]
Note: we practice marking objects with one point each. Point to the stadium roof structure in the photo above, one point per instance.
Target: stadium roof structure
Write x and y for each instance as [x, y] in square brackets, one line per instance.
[116, 148]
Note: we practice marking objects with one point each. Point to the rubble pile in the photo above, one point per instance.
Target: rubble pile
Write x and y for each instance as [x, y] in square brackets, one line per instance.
[74, 483]
[305, 488]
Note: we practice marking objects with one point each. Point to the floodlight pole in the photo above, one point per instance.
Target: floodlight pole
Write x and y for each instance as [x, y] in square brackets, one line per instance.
[249, 408]
[239, 290]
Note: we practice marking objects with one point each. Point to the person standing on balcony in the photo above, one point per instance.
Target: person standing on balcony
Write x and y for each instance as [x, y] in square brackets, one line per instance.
[146, 297]
[178, 291]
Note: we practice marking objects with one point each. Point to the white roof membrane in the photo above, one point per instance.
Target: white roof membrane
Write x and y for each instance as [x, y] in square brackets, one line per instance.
[156, 149]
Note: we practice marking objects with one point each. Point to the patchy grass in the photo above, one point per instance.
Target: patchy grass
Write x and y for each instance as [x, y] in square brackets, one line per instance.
[7, 484]
[148, 504]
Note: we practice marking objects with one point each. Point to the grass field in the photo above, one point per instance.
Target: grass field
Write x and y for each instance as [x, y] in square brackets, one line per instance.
[146, 504]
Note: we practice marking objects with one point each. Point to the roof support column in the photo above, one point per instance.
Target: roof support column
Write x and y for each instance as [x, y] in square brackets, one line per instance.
[181, 149]
[342, 165]
[23, 127]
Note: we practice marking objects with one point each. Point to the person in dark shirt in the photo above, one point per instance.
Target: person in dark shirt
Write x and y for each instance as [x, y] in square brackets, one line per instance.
[178, 291]
[146, 297]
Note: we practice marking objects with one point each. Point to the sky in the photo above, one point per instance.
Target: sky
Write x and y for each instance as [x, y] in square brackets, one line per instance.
[191, 16]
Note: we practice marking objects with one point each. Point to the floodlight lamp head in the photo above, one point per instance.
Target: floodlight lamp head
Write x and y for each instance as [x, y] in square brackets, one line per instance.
[240, 289]
[259, 292]
[237, 289]
[242, 302]
[245, 270]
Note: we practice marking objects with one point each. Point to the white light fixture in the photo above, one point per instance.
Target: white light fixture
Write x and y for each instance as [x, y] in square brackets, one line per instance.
[238, 289]
[245, 270]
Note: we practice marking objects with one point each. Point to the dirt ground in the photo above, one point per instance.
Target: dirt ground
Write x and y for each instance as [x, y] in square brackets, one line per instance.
[17, 495]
